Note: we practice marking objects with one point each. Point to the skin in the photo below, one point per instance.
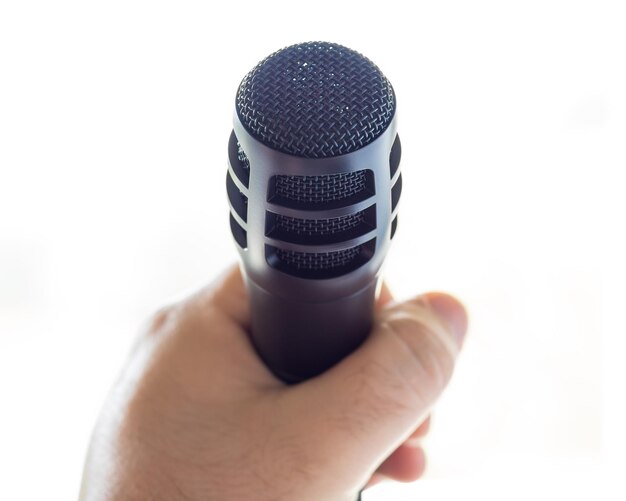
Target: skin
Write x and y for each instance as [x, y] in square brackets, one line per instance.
[195, 415]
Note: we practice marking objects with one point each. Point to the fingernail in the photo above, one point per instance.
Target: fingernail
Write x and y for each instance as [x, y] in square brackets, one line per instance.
[451, 312]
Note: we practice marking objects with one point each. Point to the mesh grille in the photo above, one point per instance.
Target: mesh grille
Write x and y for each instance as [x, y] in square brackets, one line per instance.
[320, 189]
[238, 160]
[315, 100]
[241, 156]
[319, 227]
[322, 261]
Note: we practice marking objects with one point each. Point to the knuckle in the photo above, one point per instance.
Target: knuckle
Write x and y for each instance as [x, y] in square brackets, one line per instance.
[376, 393]
[430, 357]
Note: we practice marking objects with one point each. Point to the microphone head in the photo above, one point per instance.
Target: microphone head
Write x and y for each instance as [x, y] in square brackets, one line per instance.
[313, 158]
[315, 100]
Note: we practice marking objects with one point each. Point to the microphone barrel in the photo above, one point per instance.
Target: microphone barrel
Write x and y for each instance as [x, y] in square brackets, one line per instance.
[299, 340]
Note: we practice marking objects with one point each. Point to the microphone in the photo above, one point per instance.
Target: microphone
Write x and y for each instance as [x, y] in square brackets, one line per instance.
[313, 184]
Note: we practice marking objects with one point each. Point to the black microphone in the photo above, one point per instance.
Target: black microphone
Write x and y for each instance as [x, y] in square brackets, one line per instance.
[313, 184]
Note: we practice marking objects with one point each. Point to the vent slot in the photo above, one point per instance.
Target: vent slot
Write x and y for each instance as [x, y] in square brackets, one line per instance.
[320, 231]
[238, 201]
[396, 191]
[319, 265]
[394, 226]
[321, 192]
[394, 157]
[238, 160]
[239, 234]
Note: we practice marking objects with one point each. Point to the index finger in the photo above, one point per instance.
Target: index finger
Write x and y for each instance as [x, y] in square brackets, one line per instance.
[384, 297]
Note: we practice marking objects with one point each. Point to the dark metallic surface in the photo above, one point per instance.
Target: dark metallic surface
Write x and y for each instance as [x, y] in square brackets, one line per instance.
[313, 232]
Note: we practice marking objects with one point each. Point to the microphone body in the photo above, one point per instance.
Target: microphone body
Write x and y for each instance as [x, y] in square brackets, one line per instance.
[313, 184]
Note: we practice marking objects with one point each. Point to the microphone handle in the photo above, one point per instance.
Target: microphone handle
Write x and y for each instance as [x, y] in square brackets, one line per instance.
[299, 340]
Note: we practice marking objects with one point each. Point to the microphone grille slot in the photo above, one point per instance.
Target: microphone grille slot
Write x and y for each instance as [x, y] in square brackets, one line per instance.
[310, 227]
[328, 190]
[320, 231]
[394, 226]
[314, 261]
[238, 160]
[396, 191]
[394, 156]
[239, 234]
[238, 201]
[320, 264]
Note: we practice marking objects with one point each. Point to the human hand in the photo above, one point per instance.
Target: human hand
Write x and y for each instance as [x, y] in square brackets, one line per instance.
[196, 415]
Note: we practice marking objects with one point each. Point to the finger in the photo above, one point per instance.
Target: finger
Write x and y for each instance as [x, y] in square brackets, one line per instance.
[388, 469]
[228, 295]
[422, 430]
[406, 464]
[369, 404]
[384, 297]
[375, 479]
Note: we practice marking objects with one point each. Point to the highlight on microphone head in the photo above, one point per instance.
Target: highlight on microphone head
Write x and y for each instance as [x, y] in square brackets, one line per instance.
[315, 100]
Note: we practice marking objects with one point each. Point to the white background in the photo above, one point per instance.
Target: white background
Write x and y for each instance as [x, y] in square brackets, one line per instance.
[114, 119]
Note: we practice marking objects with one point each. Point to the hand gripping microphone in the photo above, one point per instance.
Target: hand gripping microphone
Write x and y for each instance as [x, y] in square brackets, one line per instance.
[313, 184]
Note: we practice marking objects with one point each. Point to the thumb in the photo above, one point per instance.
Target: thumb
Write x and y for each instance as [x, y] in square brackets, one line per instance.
[362, 409]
